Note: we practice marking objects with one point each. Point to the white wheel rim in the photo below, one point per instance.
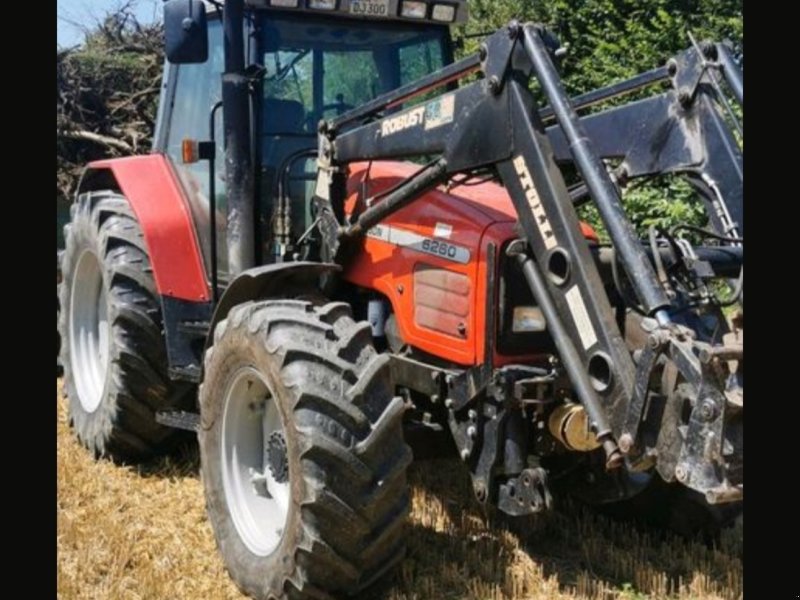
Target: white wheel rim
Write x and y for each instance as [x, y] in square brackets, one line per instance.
[88, 331]
[258, 504]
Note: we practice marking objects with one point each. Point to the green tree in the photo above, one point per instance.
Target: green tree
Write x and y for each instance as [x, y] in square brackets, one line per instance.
[610, 40]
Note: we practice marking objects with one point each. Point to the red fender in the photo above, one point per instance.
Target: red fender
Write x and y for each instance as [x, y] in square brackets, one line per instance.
[158, 201]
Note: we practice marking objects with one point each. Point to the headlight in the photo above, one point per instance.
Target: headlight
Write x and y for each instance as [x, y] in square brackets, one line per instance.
[528, 319]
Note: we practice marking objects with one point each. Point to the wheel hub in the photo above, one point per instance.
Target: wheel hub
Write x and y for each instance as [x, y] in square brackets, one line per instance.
[276, 457]
[88, 330]
[255, 470]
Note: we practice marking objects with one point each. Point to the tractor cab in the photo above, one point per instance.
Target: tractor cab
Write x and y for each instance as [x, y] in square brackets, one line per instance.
[305, 60]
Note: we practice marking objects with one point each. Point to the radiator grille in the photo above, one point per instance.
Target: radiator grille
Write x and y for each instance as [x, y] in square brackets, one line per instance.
[441, 300]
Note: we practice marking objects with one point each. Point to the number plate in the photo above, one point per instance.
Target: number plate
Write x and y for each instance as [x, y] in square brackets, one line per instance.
[370, 8]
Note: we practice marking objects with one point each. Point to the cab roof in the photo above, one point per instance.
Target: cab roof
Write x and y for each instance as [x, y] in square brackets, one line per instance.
[443, 12]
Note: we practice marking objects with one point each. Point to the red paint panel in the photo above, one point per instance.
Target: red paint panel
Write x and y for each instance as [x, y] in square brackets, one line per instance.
[389, 268]
[493, 200]
[589, 233]
[151, 187]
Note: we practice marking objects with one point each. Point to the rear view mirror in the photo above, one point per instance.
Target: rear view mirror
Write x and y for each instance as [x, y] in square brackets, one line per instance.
[185, 31]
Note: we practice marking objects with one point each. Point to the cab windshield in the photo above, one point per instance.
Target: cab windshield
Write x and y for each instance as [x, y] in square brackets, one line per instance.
[318, 68]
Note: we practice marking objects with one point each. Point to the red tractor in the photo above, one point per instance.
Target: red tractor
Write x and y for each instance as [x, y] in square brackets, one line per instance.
[275, 279]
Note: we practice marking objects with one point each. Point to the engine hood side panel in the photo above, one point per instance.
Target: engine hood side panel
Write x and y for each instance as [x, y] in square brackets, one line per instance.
[425, 259]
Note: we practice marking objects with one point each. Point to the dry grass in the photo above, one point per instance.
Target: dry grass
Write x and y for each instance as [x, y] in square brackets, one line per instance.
[142, 533]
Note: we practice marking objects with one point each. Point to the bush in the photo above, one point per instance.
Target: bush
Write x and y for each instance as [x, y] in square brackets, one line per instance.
[106, 100]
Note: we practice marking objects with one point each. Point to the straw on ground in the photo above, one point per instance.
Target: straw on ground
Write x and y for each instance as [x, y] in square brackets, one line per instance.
[141, 533]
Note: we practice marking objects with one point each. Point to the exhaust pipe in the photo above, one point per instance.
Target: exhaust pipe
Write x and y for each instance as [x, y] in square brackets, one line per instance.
[238, 160]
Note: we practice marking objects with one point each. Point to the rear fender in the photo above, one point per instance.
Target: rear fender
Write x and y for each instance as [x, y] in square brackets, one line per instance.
[159, 203]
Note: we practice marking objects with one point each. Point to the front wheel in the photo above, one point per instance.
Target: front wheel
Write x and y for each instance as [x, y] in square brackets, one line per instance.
[302, 451]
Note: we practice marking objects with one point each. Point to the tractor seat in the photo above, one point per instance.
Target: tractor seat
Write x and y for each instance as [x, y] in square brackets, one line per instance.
[283, 116]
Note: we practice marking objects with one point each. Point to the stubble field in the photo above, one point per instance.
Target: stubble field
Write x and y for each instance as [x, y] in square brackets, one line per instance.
[142, 533]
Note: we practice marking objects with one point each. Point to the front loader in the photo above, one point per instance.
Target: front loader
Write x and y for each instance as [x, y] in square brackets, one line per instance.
[345, 237]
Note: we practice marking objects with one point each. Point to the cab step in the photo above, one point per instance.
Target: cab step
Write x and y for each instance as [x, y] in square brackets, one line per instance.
[179, 419]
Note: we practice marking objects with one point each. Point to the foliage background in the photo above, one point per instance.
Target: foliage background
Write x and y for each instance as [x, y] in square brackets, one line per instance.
[610, 40]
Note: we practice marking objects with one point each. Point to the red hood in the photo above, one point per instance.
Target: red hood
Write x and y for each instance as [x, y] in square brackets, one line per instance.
[489, 198]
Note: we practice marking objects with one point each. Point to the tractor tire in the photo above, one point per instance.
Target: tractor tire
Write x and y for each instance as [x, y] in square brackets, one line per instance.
[302, 453]
[112, 348]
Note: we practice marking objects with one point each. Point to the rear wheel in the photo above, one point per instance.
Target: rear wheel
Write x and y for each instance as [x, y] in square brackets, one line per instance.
[112, 348]
[302, 451]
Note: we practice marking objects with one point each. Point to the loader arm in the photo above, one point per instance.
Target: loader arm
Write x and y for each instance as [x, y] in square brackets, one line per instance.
[495, 123]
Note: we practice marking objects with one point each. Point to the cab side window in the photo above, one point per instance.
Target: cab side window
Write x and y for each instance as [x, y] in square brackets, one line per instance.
[197, 88]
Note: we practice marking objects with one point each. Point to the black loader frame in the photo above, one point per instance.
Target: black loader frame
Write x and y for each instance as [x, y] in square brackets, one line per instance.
[690, 431]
